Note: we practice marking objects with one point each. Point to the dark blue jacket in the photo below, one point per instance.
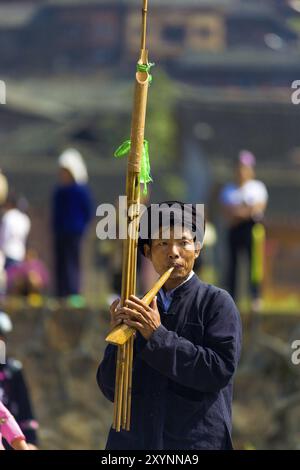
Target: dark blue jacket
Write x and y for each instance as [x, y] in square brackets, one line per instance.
[182, 376]
[72, 209]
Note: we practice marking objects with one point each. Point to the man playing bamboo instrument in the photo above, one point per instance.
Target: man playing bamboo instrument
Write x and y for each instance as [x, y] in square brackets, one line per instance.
[186, 350]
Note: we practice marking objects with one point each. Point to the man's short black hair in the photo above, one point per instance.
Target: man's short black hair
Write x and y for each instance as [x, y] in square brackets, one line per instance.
[197, 227]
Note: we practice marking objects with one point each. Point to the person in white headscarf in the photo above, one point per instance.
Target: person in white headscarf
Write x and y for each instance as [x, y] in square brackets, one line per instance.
[71, 213]
[72, 163]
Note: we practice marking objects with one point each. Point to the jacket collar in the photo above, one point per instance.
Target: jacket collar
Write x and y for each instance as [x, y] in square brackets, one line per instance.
[185, 287]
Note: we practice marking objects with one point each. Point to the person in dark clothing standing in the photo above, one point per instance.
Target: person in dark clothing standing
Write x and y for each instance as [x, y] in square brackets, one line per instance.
[14, 392]
[72, 210]
[244, 204]
[186, 351]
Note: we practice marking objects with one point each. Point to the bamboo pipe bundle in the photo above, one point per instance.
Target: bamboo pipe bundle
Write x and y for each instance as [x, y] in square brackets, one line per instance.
[122, 403]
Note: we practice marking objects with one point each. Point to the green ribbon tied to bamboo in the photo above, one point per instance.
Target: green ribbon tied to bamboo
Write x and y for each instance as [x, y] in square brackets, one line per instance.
[145, 175]
[146, 68]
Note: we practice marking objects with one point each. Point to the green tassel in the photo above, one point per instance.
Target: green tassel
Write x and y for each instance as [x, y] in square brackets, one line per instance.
[145, 176]
[123, 150]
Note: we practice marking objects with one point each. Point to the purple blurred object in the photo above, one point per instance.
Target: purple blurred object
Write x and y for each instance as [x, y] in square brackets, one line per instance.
[247, 158]
[30, 269]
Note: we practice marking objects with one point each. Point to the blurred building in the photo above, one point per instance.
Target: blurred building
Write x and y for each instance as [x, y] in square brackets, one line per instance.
[58, 35]
[55, 36]
[70, 64]
[177, 27]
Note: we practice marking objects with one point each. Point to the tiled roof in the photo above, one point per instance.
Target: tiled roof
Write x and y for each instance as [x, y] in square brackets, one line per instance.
[173, 3]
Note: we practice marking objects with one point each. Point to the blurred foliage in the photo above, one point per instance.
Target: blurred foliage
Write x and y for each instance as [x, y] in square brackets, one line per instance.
[161, 132]
[113, 129]
[294, 24]
[161, 127]
[174, 186]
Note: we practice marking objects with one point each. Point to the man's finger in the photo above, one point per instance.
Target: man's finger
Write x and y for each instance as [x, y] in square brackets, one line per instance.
[119, 311]
[143, 309]
[133, 314]
[138, 301]
[121, 316]
[153, 304]
[134, 324]
[114, 305]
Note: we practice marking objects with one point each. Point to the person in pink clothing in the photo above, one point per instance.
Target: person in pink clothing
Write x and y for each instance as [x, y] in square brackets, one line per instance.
[10, 430]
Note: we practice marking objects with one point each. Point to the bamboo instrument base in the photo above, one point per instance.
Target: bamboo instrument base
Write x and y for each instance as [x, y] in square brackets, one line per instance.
[122, 402]
[120, 335]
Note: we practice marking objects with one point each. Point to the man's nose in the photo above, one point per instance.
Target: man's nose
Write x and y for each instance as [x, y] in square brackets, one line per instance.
[173, 251]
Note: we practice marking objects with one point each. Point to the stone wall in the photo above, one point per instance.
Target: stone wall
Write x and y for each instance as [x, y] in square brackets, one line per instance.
[61, 349]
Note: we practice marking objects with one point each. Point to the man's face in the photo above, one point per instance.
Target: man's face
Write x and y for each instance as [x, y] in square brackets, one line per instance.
[167, 252]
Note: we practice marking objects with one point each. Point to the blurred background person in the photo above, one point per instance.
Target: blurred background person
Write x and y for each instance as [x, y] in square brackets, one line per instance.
[72, 211]
[244, 203]
[14, 392]
[14, 230]
[31, 276]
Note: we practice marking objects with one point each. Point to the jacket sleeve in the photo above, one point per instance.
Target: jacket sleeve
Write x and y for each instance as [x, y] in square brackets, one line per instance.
[107, 372]
[209, 367]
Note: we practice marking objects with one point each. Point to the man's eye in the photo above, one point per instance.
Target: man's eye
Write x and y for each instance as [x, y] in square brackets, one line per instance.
[162, 243]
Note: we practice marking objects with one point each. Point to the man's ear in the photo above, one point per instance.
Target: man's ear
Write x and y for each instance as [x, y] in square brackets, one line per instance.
[197, 249]
[147, 251]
